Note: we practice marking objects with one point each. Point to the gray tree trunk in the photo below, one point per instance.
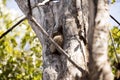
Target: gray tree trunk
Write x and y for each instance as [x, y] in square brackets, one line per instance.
[79, 27]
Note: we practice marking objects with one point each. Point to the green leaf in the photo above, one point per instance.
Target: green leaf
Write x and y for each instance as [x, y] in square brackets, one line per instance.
[115, 30]
[113, 1]
[118, 34]
[13, 41]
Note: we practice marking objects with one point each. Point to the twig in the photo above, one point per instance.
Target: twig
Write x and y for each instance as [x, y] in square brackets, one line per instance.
[10, 29]
[42, 3]
[45, 2]
[114, 19]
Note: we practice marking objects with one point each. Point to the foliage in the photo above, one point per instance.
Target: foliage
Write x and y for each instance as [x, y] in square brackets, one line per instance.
[113, 1]
[114, 62]
[20, 50]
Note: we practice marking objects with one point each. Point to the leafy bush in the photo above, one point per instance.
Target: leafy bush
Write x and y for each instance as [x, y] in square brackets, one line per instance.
[115, 57]
[20, 50]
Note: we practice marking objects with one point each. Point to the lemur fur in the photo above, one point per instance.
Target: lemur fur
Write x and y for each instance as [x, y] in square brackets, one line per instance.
[58, 38]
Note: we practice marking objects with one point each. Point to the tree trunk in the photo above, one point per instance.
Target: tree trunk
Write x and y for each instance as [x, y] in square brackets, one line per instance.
[99, 67]
[79, 28]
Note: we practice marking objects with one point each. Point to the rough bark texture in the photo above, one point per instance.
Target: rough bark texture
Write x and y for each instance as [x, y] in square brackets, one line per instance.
[75, 21]
[100, 68]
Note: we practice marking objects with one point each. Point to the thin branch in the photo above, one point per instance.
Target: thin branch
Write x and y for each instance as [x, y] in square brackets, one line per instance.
[30, 9]
[10, 29]
[45, 2]
[56, 45]
[113, 46]
[42, 3]
[114, 19]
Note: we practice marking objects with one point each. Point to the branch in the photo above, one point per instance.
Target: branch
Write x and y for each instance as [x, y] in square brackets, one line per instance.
[10, 29]
[42, 3]
[30, 9]
[114, 19]
[45, 2]
[56, 45]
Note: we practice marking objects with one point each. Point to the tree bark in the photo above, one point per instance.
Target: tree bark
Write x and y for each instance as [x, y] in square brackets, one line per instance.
[83, 34]
[100, 67]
